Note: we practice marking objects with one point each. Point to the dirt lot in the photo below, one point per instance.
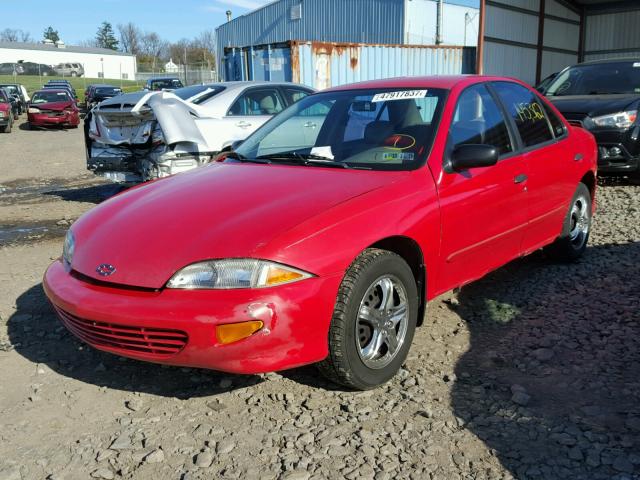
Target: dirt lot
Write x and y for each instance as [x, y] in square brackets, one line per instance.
[530, 373]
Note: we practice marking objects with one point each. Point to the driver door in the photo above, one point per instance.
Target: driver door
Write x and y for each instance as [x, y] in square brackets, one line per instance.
[483, 210]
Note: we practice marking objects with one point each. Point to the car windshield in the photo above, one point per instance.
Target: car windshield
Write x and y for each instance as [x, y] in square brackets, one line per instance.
[597, 79]
[204, 92]
[377, 129]
[10, 88]
[108, 91]
[48, 97]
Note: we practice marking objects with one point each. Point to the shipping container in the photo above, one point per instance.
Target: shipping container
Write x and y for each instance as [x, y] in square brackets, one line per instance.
[322, 65]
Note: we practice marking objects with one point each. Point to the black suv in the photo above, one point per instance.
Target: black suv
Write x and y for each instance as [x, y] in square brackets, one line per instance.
[604, 97]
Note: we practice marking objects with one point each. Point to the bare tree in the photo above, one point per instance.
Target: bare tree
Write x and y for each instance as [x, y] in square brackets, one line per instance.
[153, 47]
[130, 38]
[9, 35]
[25, 37]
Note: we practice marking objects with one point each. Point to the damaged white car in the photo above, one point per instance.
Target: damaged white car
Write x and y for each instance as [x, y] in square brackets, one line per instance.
[147, 135]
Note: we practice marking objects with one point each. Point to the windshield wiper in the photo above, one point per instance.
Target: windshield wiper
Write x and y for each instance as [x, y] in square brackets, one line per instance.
[305, 159]
[242, 158]
[597, 92]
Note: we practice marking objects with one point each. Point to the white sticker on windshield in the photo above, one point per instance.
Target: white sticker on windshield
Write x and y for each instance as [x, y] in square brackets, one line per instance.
[402, 95]
[322, 152]
[636, 65]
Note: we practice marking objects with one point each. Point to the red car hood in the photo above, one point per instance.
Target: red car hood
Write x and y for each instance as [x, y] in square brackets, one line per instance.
[56, 106]
[225, 210]
[5, 107]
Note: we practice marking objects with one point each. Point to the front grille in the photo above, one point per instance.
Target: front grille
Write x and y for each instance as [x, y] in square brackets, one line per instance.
[158, 342]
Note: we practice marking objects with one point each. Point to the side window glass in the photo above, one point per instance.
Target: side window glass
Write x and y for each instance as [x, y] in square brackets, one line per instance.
[295, 94]
[526, 111]
[479, 120]
[257, 102]
[556, 124]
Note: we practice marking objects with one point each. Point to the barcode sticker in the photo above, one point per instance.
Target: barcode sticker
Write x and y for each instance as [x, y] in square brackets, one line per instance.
[401, 95]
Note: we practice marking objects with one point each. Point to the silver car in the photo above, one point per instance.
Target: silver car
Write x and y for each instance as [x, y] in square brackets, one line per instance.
[69, 69]
[142, 136]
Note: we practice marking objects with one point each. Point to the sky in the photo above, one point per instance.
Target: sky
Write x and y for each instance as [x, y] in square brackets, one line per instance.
[78, 20]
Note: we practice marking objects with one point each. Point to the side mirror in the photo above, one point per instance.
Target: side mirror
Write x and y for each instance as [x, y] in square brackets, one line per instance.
[465, 157]
[236, 144]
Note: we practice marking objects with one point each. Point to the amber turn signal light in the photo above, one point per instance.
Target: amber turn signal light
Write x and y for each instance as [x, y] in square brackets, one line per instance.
[232, 332]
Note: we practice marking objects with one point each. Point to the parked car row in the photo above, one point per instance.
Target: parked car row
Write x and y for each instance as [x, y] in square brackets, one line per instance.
[40, 69]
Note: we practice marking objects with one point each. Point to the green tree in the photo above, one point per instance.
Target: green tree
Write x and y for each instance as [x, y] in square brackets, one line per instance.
[105, 37]
[51, 34]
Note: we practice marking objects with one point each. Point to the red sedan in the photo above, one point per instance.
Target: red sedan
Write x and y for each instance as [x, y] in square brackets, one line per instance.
[321, 238]
[53, 107]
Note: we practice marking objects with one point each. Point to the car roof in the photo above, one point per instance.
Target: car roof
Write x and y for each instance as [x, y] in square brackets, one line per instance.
[609, 60]
[103, 85]
[50, 90]
[435, 81]
[162, 78]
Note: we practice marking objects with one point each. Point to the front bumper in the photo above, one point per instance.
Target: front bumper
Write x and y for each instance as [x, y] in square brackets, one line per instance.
[58, 118]
[296, 321]
[618, 150]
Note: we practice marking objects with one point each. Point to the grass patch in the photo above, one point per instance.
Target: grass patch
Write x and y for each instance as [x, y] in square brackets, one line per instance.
[34, 82]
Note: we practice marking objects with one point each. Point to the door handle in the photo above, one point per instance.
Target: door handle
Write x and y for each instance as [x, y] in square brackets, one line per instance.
[578, 157]
[520, 178]
[243, 124]
[309, 125]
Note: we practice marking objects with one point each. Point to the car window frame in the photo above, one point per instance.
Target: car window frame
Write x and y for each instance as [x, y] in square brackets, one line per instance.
[515, 140]
[275, 88]
[288, 98]
[522, 148]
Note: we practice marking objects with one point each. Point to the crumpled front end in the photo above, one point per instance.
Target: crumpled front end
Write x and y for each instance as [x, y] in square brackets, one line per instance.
[143, 138]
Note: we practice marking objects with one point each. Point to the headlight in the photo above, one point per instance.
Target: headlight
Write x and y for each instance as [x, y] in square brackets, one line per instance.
[235, 273]
[33, 110]
[617, 120]
[69, 247]
[1, 114]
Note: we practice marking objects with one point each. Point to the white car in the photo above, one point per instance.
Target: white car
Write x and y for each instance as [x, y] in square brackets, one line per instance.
[142, 136]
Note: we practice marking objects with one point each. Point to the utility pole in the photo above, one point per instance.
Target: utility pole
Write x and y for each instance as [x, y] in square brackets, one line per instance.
[439, 22]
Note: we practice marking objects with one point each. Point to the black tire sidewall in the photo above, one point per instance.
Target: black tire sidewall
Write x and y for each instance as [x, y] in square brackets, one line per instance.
[362, 375]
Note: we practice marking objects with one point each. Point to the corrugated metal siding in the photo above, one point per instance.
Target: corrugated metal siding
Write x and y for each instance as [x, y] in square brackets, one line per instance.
[554, 8]
[614, 31]
[563, 35]
[510, 25]
[354, 21]
[328, 65]
[323, 65]
[511, 61]
[605, 56]
[555, 61]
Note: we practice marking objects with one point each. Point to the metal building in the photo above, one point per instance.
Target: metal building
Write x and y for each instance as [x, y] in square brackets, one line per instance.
[530, 39]
[330, 42]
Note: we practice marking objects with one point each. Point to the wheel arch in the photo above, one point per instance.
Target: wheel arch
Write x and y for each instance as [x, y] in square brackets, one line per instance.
[589, 179]
[410, 251]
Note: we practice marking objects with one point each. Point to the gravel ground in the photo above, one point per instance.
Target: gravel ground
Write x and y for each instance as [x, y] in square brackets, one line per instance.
[529, 373]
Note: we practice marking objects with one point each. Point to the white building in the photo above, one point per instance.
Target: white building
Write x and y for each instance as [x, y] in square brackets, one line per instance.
[96, 62]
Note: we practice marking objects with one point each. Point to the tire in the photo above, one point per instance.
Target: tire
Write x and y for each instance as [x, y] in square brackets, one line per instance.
[8, 128]
[572, 242]
[634, 178]
[356, 360]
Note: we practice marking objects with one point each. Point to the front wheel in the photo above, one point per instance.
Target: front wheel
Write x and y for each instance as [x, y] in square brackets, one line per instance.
[576, 228]
[374, 321]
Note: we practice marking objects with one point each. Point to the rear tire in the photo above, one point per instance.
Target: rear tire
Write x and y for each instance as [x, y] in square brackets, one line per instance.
[373, 323]
[572, 242]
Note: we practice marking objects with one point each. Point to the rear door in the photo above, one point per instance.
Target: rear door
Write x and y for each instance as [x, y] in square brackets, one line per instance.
[483, 210]
[549, 157]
